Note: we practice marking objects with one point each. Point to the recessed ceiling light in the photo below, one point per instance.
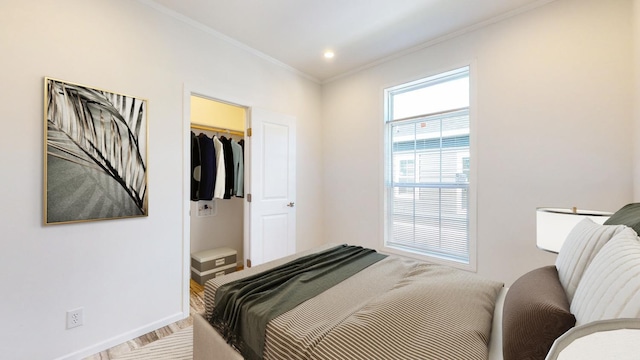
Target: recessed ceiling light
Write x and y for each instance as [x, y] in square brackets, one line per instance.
[329, 54]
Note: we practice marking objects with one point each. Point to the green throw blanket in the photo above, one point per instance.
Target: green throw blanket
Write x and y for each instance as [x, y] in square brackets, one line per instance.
[243, 308]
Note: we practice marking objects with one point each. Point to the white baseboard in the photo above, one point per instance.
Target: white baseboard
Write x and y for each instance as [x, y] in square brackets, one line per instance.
[119, 339]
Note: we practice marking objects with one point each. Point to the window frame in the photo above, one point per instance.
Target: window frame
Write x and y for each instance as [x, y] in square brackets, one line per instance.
[472, 170]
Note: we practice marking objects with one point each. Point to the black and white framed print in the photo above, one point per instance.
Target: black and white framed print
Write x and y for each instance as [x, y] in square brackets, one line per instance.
[95, 154]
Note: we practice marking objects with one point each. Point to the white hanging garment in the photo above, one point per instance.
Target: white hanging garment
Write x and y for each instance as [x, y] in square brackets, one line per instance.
[218, 191]
[238, 169]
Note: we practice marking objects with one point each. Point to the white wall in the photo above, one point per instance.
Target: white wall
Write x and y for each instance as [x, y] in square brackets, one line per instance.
[127, 274]
[636, 98]
[553, 126]
[225, 228]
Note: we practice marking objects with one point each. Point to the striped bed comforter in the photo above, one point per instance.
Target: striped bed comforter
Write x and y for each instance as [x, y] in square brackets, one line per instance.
[395, 309]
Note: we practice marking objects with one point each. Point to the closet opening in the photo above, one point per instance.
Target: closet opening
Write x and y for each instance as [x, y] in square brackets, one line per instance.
[217, 205]
[256, 228]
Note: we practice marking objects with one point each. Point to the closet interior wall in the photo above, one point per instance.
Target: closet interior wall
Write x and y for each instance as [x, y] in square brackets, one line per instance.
[223, 224]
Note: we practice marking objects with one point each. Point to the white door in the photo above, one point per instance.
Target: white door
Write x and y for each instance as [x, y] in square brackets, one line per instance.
[272, 212]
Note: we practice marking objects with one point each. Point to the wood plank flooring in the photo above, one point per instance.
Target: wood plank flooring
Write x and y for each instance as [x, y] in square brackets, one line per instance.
[197, 306]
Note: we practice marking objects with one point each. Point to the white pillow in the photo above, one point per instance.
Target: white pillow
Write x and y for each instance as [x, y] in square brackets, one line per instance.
[578, 250]
[610, 287]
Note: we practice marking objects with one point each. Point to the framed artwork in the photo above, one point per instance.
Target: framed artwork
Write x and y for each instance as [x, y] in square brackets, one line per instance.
[95, 154]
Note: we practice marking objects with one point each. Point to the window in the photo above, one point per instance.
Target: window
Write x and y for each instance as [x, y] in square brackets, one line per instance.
[427, 167]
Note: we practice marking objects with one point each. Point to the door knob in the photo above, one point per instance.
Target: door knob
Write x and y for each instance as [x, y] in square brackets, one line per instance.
[291, 204]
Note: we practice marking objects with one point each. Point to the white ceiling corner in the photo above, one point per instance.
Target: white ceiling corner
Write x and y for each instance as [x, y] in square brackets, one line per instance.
[295, 33]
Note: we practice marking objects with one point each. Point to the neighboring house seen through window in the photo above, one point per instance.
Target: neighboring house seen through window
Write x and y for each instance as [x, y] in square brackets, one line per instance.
[427, 167]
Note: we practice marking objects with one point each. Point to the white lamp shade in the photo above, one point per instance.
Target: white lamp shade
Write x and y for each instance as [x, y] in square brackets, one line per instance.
[554, 224]
[619, 344]
[604, 339]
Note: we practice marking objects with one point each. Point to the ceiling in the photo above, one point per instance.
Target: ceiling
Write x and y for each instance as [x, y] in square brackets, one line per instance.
[360, 32]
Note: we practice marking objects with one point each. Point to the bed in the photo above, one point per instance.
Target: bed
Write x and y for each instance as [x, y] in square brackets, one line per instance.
[398, 308]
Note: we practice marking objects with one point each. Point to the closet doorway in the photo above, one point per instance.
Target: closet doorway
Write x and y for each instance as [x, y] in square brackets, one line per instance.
[219, 222]
[266, 230]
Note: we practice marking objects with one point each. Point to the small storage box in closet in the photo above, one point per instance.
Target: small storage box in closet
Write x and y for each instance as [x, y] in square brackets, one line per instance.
[208, 264]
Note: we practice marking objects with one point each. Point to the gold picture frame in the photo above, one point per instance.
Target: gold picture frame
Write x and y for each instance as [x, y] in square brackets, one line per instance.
[95, 154]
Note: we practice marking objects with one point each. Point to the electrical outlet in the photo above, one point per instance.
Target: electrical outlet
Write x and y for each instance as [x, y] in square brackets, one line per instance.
[74, 318]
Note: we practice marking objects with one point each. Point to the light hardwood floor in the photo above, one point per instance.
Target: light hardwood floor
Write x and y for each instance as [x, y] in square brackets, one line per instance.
[197, 306]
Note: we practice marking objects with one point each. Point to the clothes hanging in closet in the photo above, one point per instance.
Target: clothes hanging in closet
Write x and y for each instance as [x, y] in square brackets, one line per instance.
[195, 167]
[207, 167]
[228, 163]
[217, 167]
[238, 169]
[220, 181]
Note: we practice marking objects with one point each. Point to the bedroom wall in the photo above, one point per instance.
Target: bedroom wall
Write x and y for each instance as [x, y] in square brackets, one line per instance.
[126, 274]
[636, 102]
[554, 118]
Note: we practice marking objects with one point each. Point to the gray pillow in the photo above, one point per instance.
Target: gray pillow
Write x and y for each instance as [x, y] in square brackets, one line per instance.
[629, 215]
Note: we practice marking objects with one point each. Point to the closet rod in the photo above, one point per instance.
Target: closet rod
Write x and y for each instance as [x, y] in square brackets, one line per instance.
[217, 129]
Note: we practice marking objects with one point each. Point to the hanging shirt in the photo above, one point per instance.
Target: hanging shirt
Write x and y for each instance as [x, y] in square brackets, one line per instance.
[238, 169]
[207, 167]
[241, 143]
[218, 191]
[195, 167]
[228, 163]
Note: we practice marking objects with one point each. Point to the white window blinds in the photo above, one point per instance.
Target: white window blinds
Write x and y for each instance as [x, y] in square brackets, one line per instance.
[427, 166]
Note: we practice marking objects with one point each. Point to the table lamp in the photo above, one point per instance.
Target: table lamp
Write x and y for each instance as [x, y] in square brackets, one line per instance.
[554, 224]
